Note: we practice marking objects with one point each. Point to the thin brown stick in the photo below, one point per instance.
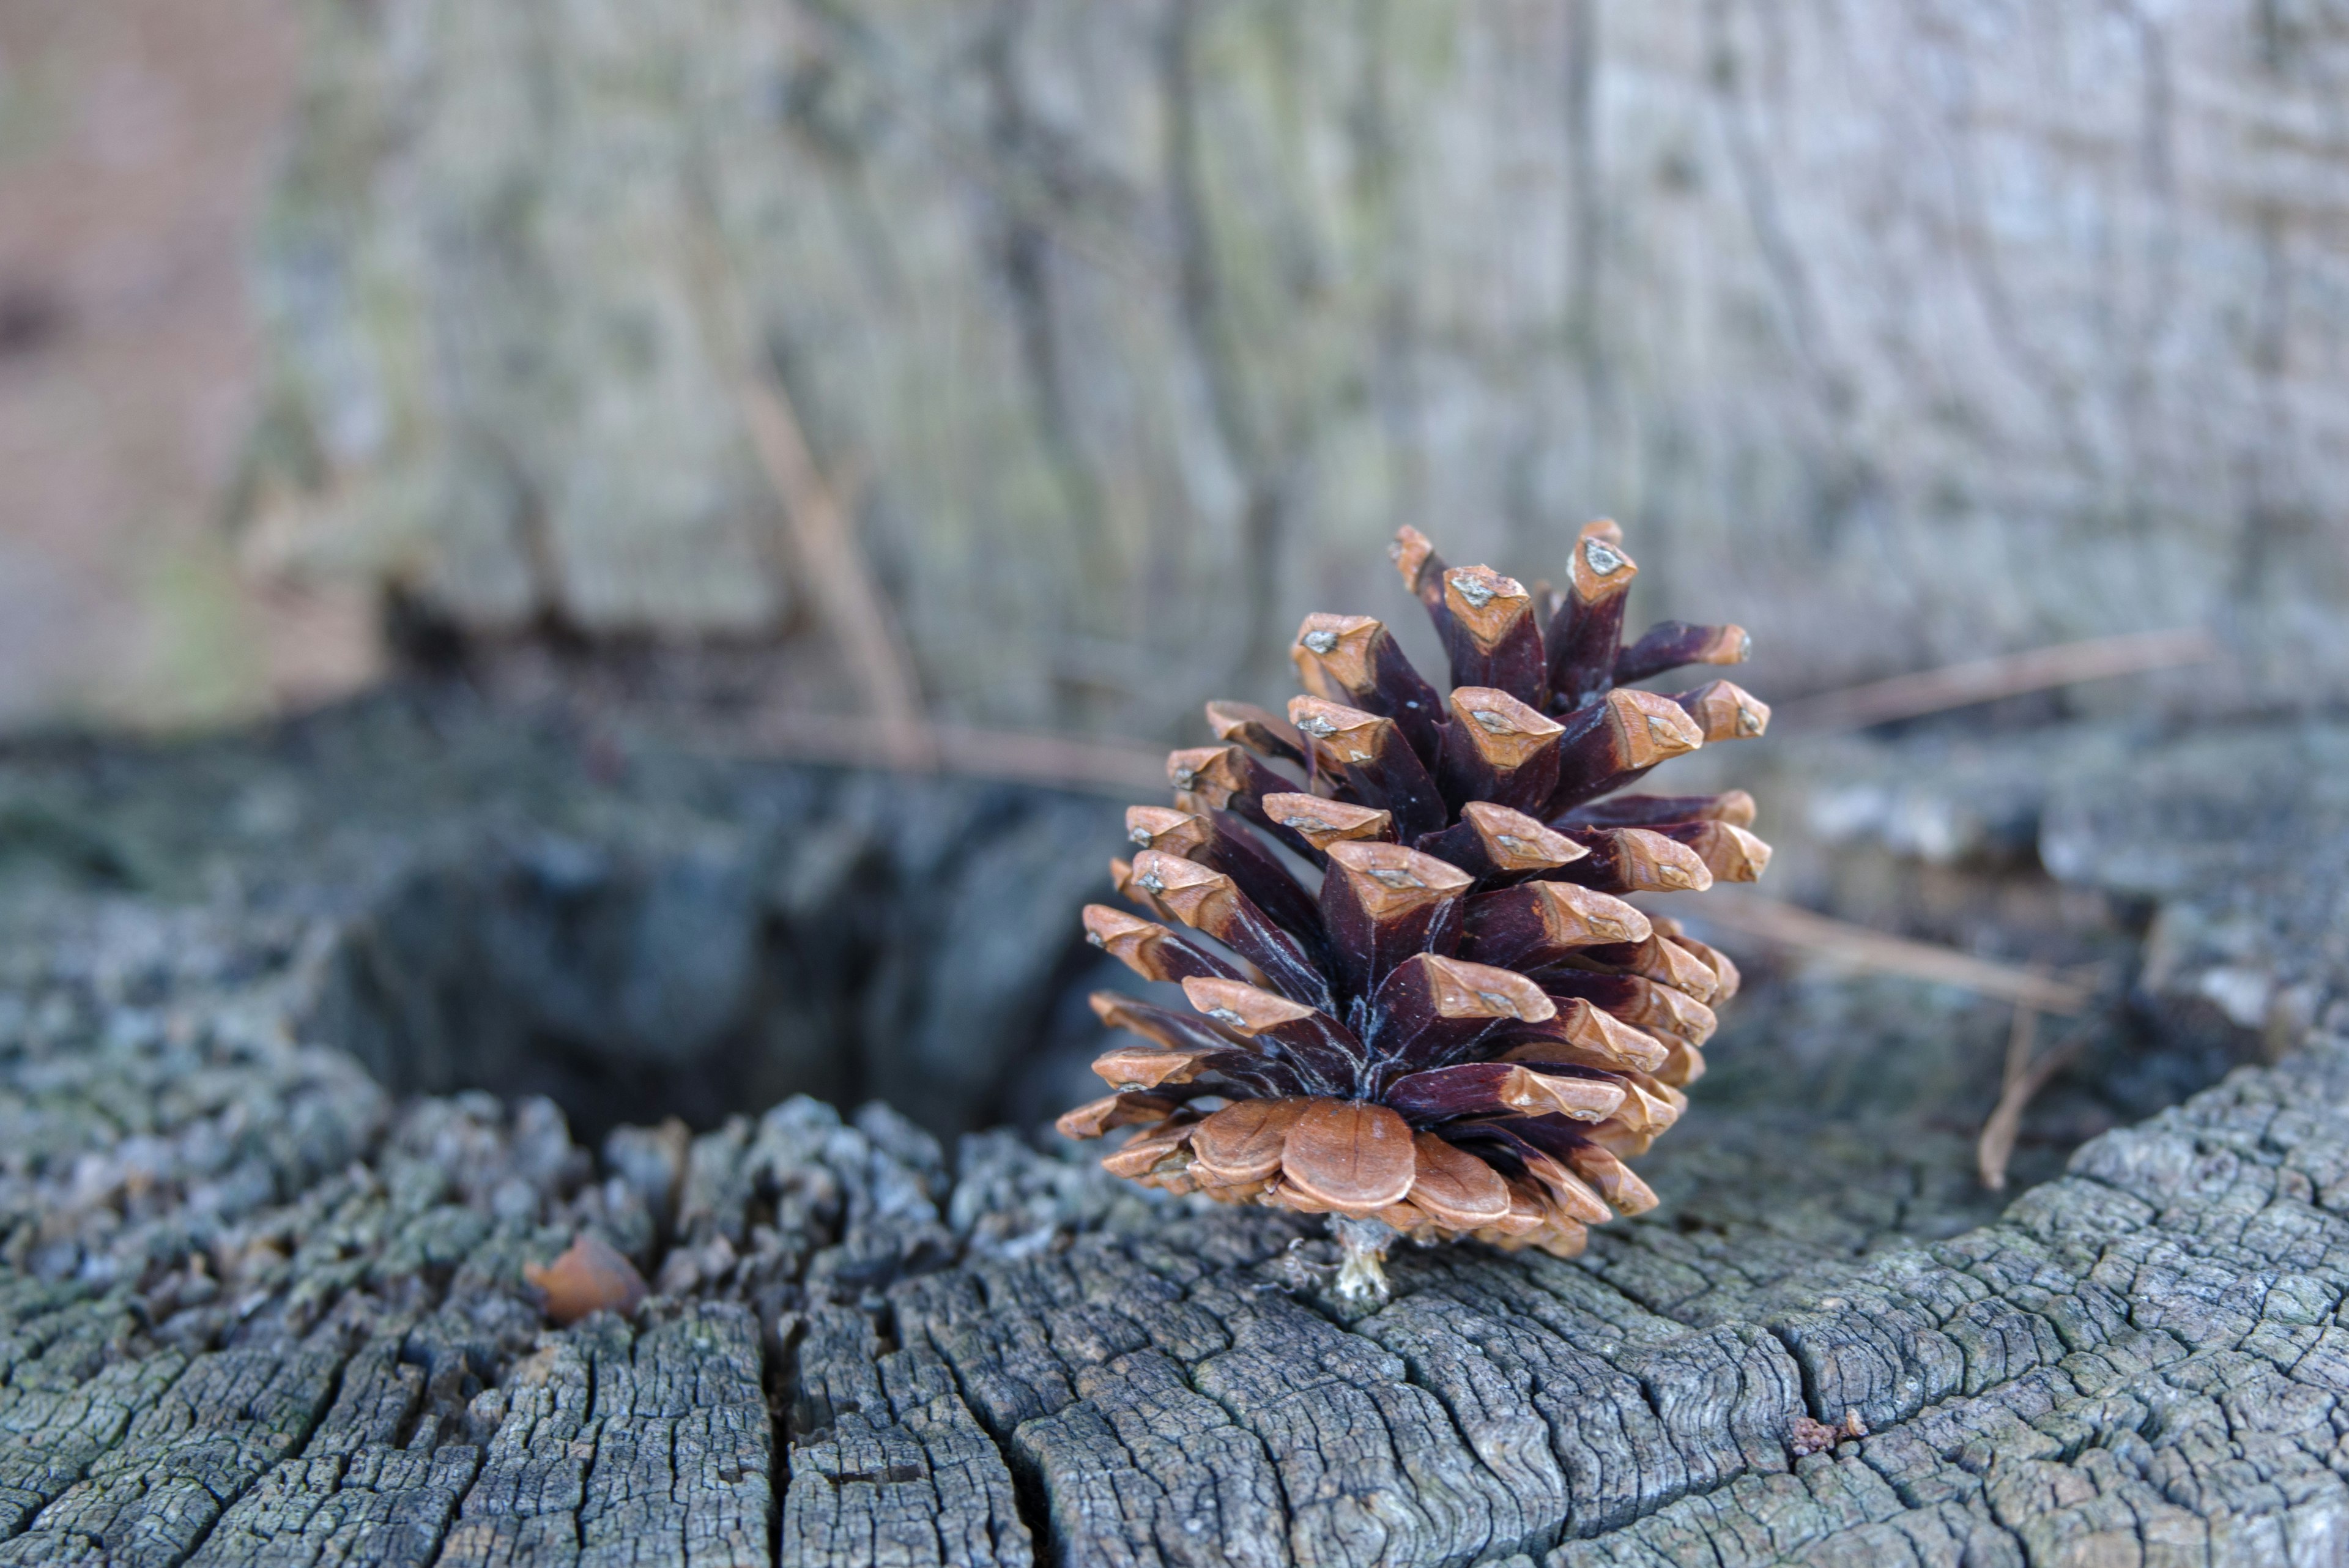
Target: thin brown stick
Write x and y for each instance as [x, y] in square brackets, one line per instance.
[833, 571]
[1987, 679]
[1103, 767]
[1998, 1134]
[1792, 925]
[820, 532]
[2021, 1040]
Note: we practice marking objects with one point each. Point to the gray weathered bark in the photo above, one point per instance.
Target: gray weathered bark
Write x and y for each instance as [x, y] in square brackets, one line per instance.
[256, 1309]
[1897, 333]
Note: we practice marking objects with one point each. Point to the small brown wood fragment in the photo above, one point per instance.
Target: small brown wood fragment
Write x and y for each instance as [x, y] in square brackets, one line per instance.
[1453, 1187]
[1805, 1437]
[591, 1276]
[1266, 734]
[1355, 1157]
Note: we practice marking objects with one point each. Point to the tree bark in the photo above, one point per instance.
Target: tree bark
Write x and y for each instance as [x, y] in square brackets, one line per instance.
[1899, 334]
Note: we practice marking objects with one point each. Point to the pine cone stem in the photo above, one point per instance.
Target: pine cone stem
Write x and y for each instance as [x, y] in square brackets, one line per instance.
[1361, 1259]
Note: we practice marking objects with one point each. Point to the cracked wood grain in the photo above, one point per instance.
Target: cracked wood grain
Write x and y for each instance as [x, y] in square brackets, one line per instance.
[252, 1310]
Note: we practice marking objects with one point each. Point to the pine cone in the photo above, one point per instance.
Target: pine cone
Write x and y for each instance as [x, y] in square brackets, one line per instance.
[1467, 1030]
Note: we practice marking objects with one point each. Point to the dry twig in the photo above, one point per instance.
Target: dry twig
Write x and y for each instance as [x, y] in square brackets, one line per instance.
[823, 538]
[1106, 767]
[819, 524]
[1792, 925]
[2023, 1080]
[1987, 679]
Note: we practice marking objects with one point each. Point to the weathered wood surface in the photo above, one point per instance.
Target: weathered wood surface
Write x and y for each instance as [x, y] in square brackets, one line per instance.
[1899, 333]
[254, 1308]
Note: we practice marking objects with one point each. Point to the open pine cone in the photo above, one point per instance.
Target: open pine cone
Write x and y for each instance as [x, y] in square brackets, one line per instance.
[1466, 1031]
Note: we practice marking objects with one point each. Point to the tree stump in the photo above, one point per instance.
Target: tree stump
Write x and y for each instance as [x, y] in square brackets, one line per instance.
[256, 1308]
[1131, 333]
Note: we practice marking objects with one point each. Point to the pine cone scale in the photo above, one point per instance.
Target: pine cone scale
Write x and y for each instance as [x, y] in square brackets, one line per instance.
[1355, 1157]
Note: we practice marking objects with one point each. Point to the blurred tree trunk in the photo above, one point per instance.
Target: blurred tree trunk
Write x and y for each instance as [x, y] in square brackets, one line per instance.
[1900, 333]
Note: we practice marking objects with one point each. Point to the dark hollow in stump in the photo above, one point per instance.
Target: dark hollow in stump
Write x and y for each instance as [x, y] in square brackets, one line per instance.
[258, 1308]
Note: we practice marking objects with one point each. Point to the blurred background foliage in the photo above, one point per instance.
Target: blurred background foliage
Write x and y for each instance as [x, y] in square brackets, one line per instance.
[1099, 343]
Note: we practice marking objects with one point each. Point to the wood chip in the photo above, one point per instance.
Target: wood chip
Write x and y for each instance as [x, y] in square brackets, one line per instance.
[591, 1276]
